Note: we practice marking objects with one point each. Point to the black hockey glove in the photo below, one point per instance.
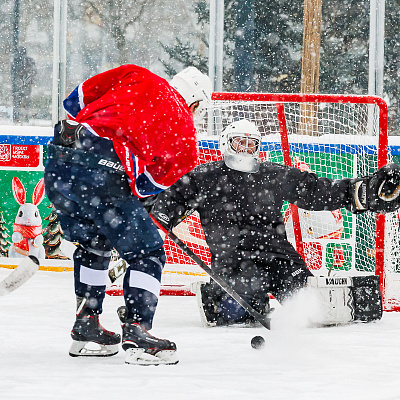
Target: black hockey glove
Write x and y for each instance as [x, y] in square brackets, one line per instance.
[163, 220]
[378, 192]
[67, 134]
[148, 202]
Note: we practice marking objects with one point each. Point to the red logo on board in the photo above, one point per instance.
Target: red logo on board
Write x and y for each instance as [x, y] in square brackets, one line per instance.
[17, 155]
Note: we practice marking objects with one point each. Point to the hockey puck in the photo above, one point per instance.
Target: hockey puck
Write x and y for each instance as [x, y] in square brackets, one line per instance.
[257, 342]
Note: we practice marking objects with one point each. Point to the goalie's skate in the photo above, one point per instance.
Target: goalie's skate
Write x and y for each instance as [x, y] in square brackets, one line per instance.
[142, 348]
[90, 339]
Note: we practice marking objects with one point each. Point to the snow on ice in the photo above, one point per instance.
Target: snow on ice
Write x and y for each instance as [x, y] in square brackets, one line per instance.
[358, 361]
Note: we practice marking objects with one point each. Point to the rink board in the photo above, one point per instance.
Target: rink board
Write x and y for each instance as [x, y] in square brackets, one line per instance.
[23, 154]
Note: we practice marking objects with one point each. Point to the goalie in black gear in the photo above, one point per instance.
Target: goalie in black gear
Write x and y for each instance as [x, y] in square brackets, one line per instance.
[239, 201]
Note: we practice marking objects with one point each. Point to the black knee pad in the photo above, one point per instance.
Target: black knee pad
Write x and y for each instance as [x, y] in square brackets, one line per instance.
[92, 258]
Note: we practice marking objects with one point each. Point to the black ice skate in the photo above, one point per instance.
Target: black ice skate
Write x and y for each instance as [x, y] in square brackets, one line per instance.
[90, 339]
[141, 347]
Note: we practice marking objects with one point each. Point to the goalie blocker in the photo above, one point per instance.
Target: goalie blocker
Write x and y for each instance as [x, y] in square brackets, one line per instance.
[347, 299]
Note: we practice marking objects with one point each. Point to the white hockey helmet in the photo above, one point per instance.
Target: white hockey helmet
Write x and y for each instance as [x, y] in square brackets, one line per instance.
[240, 143]
[194, 86]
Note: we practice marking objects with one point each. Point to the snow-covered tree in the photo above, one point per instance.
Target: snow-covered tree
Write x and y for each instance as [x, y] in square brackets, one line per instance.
[4, 242]
[115, 17]
[52, 236]
[278, 48]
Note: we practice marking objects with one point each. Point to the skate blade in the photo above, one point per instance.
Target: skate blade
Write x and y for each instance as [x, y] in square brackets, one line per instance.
[92, 349]
[140, 357]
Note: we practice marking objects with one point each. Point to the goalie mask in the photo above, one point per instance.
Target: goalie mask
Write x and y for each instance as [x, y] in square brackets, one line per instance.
[240, 144]
[194, 86]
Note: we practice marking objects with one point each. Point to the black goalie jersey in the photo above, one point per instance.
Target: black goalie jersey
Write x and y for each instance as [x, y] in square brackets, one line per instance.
[241, 212]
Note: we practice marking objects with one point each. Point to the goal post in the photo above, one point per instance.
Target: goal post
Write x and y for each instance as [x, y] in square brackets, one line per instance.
[349, 140]
[280, 111]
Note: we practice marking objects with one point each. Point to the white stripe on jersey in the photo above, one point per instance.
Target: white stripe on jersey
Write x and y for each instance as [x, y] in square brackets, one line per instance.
[151, 179]
[80, 96]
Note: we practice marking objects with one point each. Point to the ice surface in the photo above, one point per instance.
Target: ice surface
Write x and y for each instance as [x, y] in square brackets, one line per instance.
[359, 361]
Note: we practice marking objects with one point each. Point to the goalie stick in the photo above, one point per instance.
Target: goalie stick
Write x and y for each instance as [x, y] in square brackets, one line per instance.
[24, 271]
[262, 319]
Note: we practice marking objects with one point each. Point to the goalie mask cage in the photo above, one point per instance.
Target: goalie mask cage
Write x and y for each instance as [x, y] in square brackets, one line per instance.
[335, 136]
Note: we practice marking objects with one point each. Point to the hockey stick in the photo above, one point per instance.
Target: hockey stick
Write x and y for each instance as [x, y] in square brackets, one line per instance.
[262, 319]
[25, 270]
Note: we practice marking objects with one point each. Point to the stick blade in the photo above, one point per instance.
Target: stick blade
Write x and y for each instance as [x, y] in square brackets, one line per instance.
[24, 271]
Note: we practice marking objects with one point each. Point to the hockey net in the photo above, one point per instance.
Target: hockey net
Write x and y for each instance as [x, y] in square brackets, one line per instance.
[335, 136]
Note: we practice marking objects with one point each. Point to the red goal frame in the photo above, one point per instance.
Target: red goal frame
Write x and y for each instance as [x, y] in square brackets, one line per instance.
[280, 99]
[211, 154]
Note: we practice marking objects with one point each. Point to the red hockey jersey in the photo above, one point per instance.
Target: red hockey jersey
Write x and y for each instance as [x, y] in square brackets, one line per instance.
[150, 124]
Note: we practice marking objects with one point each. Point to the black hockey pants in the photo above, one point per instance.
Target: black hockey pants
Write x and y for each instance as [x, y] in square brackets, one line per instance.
[97, 209]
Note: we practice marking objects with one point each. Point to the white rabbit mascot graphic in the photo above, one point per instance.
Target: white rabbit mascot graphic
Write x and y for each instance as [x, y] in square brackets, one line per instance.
[27, 235]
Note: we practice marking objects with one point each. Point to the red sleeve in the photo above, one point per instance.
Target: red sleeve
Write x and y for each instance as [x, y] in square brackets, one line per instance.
[176, 156]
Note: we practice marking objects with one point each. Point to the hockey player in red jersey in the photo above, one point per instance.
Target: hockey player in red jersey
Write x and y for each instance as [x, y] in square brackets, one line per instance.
[239, 201]
[130, 135]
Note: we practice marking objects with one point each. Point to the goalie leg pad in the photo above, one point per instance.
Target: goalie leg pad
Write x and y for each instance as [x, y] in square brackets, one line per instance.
[207, 311]
[342, 300]
[335, 300]
[367, 298]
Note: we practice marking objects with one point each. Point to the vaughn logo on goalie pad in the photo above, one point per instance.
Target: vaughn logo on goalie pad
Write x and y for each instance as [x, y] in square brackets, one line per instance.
[337, 282]
[326, 281]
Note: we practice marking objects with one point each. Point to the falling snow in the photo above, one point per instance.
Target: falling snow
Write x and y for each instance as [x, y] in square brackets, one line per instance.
[358, 361]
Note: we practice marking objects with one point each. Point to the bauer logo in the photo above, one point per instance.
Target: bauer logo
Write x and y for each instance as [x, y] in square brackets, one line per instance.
[111, 164]
[163, 218]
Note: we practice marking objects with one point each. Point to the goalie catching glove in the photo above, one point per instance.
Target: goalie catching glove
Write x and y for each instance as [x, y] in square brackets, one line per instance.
[378, 192]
